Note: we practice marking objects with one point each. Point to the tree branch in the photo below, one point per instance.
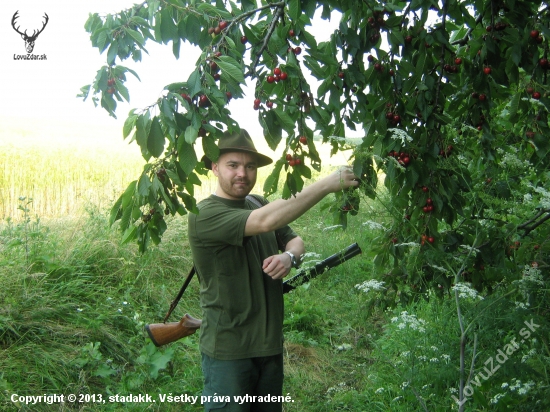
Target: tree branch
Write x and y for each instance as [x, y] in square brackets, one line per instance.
[278, 14]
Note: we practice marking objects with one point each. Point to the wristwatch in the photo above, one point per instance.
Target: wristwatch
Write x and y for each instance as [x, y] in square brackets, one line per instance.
[293, 260]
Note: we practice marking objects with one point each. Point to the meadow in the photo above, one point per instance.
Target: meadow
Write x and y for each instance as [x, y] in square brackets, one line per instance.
[74, 302]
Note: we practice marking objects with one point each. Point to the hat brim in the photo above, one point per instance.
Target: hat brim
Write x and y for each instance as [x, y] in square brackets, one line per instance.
[261, 159]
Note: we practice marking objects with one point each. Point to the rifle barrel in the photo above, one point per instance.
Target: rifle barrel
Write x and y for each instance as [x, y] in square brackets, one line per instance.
[334, 260]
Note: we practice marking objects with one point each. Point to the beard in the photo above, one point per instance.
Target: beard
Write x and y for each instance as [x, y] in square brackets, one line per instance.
[236, 188]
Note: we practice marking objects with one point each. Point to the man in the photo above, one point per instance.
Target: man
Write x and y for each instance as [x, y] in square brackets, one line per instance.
[241, 253]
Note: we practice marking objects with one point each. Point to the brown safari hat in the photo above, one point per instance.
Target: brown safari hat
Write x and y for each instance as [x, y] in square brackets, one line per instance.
[238, 142]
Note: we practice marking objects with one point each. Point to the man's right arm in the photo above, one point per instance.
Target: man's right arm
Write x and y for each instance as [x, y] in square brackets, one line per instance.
[281, 212]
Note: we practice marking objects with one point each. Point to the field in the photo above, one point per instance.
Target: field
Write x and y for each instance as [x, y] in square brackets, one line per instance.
[74, 302]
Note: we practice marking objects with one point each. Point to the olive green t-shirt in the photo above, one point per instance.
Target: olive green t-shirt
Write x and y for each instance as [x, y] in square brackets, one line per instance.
[242, 306]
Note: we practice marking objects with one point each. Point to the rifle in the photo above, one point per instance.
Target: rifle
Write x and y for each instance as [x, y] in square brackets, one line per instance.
[163, 333]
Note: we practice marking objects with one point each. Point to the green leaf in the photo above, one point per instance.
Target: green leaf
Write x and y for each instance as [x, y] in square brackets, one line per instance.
[129, 234]
[155, 140]
[231, 68]
[143, 185]
[187, 157]
[191, 134]
[294, 9]
[112, 53]
[194, 83]
[211, 149]
[286, 121]
[129, 124]
[138, 38]
[514, 105]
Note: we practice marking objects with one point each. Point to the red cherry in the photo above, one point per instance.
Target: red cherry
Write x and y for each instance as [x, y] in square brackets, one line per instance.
[223, 24]
[341, 75]
[185, 96]
[298, 161]
[425, 189]
[408, 39]
[534, 34]
[277, 71]
[229, 95]
[536, 95]
[292, 162]
[396, 118]
[244, 39]
[110, 90]
[284, 76]
[482, 97]
[270, 79]
[269, 104]
[429, 201]
[303, 139]
[110, 82]
[487, 70]
[389, 115]
[297, 50]
[458, 61]
[291, 33]
[203, 101]
[431, 239]
[288, 157]
[257, 102]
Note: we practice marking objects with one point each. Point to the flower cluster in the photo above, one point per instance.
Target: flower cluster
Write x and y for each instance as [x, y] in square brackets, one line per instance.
[405, 320]
[371, 284]
[374, 225]
[466, 292]
[398, 134]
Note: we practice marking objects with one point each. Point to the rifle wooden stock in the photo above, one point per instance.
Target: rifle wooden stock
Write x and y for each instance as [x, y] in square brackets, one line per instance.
[163, 333]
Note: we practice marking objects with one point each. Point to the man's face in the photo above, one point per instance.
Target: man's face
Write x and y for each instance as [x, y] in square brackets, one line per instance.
[236, 173]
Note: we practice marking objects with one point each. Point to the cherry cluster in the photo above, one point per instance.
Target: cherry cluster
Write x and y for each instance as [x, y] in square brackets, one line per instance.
[222, 25]
[403, 158]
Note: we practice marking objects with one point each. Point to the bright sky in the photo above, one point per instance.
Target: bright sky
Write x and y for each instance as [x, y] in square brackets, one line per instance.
[34, 92]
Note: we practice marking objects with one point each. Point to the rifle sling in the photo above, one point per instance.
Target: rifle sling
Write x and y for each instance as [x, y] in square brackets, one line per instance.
[180, 294]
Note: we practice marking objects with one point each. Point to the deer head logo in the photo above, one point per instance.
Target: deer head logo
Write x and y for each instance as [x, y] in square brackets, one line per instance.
[29, 40]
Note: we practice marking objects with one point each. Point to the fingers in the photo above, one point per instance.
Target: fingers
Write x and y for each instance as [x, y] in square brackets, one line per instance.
[276, 266]
[347, 178]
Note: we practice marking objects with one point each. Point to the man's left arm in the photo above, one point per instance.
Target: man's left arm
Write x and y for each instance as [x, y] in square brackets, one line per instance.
[278, 266]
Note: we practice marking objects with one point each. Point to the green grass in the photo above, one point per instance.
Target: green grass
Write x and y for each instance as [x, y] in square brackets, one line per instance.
[73, 304]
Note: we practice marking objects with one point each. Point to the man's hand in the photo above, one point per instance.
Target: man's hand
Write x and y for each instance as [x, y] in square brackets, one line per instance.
[277, 266]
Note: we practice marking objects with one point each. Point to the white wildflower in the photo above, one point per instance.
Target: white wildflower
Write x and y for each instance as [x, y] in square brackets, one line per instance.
[374, 225]
[434, 360]
[465, 291]
[334, 227]
[398, 134]
[405, 354]
[79, 309]
[369, 285]
[344, 346]
[453, 390]
[504, 385]
[446, 358]
[522, 305]
[379, 390]
[411, 321]
[397, 399]
[422, 358]
[497, 397]
[471, 249]
[441, 269]
[434, 348]
[404, 385]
